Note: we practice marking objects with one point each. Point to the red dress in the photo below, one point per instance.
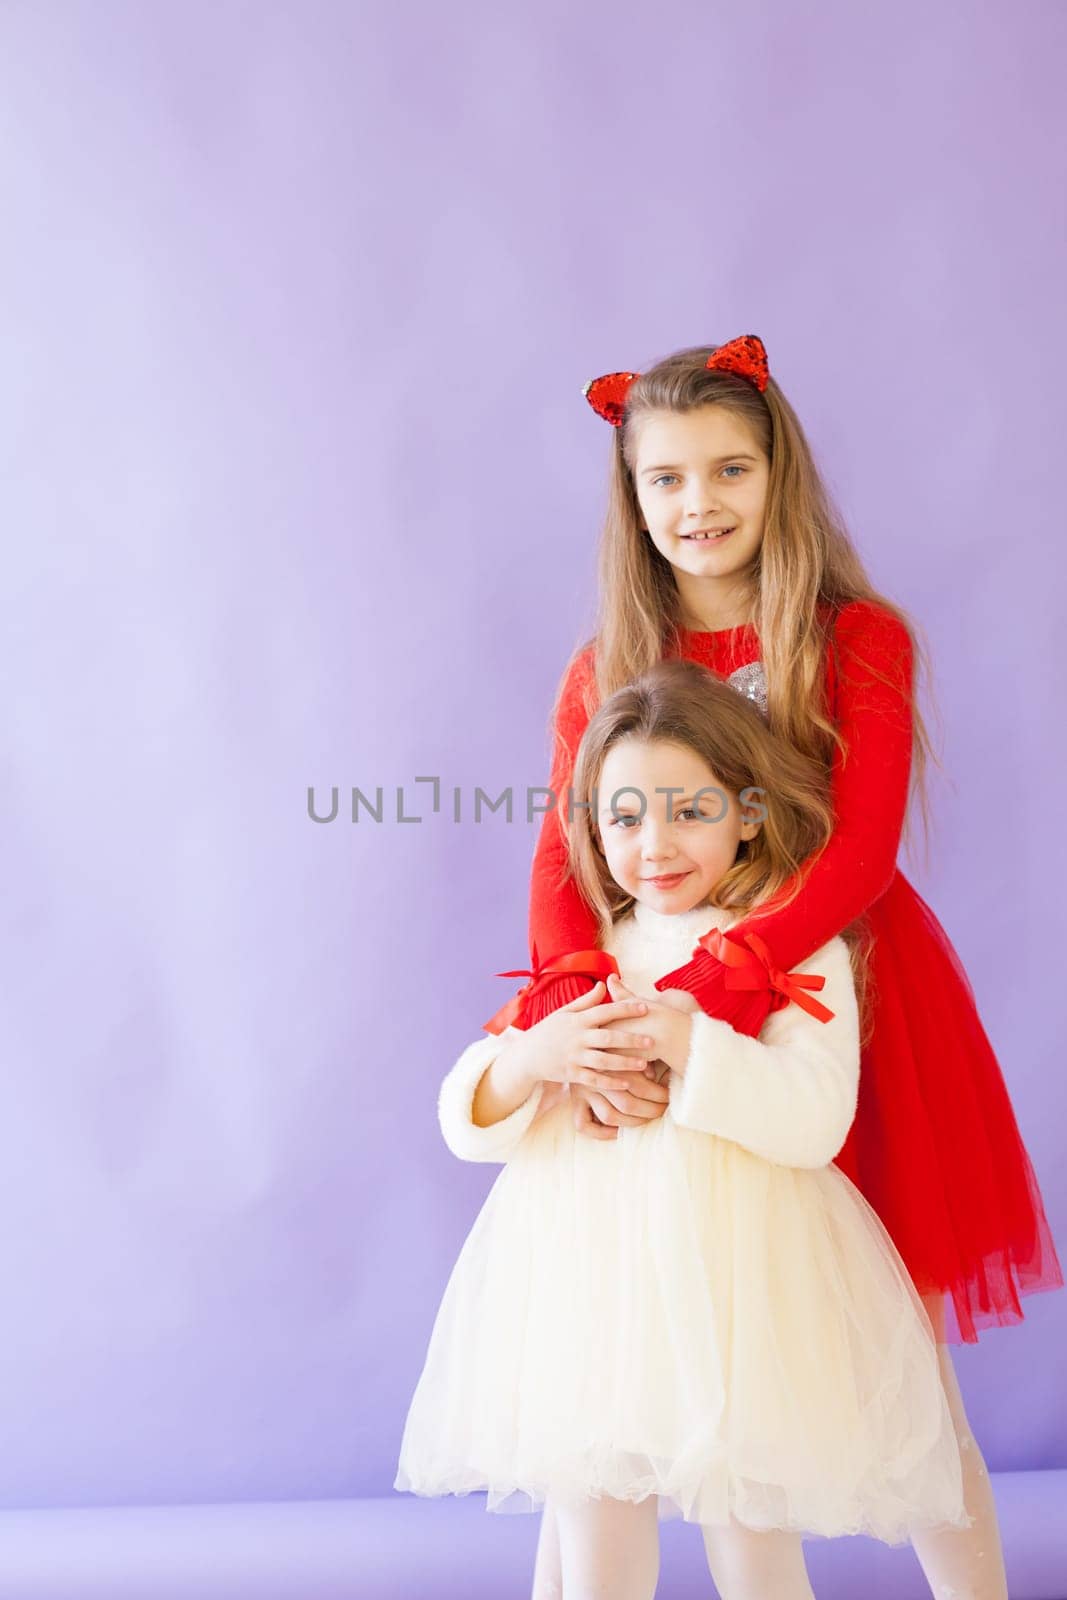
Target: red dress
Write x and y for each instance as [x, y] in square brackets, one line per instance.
[935, 1146]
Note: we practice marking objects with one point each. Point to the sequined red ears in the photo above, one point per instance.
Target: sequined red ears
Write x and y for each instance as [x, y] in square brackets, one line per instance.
[744, 356]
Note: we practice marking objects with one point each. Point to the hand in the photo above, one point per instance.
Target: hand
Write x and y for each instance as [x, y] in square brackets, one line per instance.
[668, 1023]
[600, 1115]
[639, 1098]
[681, 998]
[577, 1044]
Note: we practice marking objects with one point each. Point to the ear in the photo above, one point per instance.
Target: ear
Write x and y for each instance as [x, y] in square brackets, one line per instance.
[753, 812]
[750, 828]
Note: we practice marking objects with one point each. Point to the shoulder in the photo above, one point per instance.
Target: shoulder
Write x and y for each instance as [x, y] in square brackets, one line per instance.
[831, 959]
[833, 963]
[577, 688]
[872, 652]
[580, 670]
[866, 622]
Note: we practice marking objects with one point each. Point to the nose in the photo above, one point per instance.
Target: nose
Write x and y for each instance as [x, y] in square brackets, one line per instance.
[656, 843]
[700, 500]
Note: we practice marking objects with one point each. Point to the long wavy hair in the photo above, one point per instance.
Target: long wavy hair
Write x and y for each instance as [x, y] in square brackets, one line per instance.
[806, 568]
[681, 702]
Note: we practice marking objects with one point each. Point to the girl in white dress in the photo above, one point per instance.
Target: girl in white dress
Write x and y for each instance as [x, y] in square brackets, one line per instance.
[698, 1316]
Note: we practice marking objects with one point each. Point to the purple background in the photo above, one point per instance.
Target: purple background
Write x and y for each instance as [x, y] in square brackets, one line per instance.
[299, 488]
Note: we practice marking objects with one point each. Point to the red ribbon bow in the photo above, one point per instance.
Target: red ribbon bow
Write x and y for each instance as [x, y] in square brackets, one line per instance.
[596, 964]
[744, 356]
[755, 969]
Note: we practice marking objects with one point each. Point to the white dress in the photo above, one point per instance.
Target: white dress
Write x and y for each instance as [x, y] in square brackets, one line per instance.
[703, 1309]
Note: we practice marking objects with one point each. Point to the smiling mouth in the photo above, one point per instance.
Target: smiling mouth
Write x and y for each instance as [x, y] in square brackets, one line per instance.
[707, 535]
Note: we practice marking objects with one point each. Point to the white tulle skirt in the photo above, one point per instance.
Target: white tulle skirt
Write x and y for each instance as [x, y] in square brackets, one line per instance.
[668, 1314]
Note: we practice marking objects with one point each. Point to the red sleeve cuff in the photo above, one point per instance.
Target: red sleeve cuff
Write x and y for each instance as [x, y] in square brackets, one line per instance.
[552, 985]
[751, 966]
[704, 977]
[740, 983]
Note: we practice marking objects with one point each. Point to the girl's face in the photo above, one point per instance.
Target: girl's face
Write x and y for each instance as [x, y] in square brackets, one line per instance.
[702, 471]
[656, 846]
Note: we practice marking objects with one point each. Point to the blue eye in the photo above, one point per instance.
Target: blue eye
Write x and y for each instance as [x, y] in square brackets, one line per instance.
[618, 822]
[686, 811]
[665, 477]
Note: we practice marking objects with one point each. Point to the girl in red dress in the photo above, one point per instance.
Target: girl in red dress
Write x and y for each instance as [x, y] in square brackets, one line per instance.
[720, 543]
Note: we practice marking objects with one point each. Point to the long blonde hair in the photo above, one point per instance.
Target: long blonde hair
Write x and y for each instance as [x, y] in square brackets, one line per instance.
[806, 569]
[681, 702]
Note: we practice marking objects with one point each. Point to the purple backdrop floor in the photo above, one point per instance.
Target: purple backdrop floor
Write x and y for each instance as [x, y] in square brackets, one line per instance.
[402, 1547]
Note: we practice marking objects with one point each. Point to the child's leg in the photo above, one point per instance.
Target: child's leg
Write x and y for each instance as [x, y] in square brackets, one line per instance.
[747, 1565]
[547, 1578]
[963, 1563]
[609, 1549]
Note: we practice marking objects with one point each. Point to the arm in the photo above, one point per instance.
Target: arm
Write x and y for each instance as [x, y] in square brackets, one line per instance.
[499, 1140]
[560, 920]
[869, 788]
[561, 923]
[788, 1096]
[869, 791]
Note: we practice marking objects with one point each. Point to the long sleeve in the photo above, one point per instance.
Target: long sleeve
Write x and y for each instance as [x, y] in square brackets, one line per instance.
[561, 923]
[788, 1096]
[560, 920]
[869, 793]
[869, 788]
[455, 1100]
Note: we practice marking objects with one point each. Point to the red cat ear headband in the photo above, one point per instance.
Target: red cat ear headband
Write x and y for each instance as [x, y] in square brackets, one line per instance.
[744, 356]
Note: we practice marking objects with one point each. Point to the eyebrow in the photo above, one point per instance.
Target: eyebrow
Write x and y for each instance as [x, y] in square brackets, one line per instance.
[672, 466]
[621, 811]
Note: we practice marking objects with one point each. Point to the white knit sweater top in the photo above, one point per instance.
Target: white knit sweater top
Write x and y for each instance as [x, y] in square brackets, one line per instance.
[788, 1095]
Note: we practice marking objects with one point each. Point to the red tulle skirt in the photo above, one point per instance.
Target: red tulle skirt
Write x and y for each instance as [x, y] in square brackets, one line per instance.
[935, 1147]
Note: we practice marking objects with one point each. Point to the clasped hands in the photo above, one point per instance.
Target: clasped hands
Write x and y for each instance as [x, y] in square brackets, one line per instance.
[612, 1048]
[599, 1114]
